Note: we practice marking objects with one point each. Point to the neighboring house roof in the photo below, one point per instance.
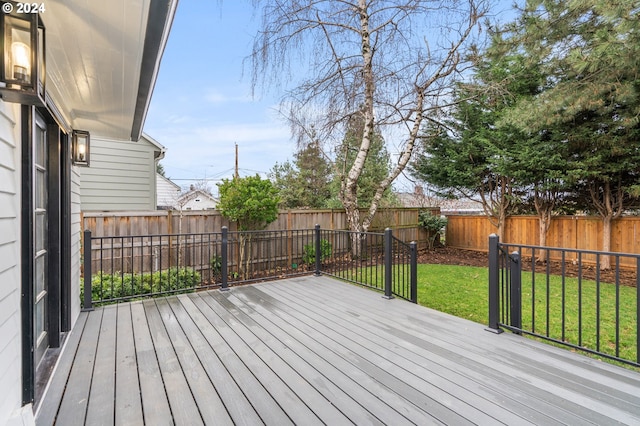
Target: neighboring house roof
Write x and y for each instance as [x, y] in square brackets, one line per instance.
[196, 199]
[160, 149]
[167, 192]
[447, 206]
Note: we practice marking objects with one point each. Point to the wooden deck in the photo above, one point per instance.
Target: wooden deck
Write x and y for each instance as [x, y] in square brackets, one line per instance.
[317, 351]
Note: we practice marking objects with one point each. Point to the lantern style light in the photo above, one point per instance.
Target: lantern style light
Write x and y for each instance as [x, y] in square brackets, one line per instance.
[80, 147]
[22, 63]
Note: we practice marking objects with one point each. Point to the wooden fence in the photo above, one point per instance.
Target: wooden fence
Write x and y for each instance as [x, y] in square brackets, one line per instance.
[571, 232]
[403, 221]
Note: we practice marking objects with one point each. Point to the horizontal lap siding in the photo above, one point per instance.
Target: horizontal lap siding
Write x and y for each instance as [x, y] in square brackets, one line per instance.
[76, 230]
[121, 176]
[10, 322]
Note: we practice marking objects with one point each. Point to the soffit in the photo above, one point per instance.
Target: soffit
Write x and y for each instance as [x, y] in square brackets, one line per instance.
[95, 53]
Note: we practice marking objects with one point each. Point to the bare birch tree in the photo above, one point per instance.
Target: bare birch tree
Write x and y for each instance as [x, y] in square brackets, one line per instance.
[392, 61]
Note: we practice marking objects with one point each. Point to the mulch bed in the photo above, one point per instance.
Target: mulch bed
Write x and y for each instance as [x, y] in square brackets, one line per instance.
[453, 256]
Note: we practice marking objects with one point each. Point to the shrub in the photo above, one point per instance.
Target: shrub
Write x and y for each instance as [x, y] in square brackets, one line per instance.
[121, 285]
[309, 255]
[216, 266]
[434, 225]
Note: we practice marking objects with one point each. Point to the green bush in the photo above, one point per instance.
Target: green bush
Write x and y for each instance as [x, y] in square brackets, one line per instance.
[309, 252]
[216, 266]
[119, 285]
[434, 225]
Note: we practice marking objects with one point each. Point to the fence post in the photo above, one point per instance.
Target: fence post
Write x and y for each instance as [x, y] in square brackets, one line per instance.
[388, 263]
[494, 284]
[515, 268]
[224, 269]
[414, 271]
[87, 304]
[318, 250]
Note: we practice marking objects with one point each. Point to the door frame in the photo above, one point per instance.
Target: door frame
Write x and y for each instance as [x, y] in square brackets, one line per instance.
[58, 243]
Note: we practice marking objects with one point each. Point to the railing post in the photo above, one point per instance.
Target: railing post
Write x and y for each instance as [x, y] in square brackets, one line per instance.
[318, 250]
[87, 304]
[515, 268]
[388, 263]
[494, 284]
[414, 271]
[224, 268]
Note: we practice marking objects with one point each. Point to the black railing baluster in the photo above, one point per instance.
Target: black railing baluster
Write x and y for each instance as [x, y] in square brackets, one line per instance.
[414, 272]
[224, 267]
[388, 262]
[88, 299]
[318, 250]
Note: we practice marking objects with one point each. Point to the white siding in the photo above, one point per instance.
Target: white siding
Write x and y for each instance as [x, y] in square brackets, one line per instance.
[76, 230]
[121, 176]
[167, 192]
[10, 321]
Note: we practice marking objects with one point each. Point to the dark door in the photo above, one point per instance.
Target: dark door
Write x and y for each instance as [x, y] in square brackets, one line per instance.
[41, 243]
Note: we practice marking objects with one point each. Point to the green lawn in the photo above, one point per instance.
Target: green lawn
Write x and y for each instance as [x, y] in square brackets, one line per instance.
[462, 291]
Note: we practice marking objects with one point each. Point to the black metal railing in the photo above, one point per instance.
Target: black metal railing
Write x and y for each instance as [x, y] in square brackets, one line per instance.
[129, 267]
[375, 260]
[584, 299]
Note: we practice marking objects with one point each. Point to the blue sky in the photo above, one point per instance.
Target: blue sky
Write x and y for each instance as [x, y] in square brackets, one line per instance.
[202, 104]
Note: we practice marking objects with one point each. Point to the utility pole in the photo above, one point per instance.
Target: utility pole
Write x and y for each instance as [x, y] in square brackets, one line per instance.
[236, 169]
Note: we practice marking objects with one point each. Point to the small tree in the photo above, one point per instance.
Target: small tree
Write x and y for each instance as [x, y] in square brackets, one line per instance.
[434, 225]
[252, 203]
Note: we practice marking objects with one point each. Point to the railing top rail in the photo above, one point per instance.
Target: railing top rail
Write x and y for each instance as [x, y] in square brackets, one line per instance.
[402, 243]
[573, 250]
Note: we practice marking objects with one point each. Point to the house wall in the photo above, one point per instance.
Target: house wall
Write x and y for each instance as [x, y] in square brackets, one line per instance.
[199, 203]
[167, 192]
[76, 231]
[10, 320]
[121, 176]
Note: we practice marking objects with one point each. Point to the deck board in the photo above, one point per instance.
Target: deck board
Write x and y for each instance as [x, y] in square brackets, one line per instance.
[76, 396]
[184, 408]
[128, 408]
[101, 404]
[230, 393]
[153, 395]
[459, 365]
[313, 350]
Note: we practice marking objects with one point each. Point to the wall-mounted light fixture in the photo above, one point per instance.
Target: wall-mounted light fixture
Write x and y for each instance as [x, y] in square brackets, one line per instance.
[80, 147]
[22, 56]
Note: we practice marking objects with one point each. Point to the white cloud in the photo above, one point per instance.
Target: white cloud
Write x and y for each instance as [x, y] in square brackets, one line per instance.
[214, 96]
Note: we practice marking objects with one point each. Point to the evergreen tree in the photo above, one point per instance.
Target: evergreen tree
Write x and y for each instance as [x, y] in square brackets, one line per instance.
[305, 183]
[589, 52]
